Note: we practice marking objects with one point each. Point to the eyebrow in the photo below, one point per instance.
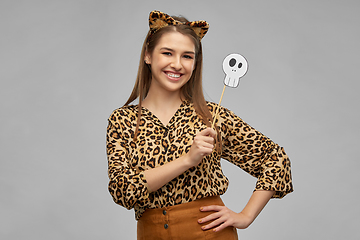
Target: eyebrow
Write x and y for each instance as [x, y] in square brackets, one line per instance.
[171, 50]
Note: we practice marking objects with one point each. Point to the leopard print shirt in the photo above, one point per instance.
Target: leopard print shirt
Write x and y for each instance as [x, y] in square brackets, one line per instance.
[157, 144]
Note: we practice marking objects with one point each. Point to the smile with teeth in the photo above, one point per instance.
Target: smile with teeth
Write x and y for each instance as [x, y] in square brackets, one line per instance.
[173, 75]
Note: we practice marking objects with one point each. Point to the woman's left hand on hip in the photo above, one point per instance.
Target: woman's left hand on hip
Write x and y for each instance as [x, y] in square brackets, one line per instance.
[223, 217]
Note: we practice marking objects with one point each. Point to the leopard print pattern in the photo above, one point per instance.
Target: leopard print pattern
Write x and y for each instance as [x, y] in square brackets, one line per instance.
[159, 20]
[157, 144]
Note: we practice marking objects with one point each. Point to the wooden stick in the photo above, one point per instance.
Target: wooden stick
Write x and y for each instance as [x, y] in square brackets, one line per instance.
[218, 107]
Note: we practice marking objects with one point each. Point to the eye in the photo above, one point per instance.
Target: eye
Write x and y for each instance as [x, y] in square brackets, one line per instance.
[240, 65]
[167, 53]
[188, 56]
[232, 62]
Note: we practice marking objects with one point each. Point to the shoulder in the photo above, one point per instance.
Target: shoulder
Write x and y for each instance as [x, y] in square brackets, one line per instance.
[211, 105]
[223, 112]
[124, 113]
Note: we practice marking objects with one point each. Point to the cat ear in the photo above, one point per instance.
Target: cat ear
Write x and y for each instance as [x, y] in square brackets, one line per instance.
[159, 20]
[199, 27]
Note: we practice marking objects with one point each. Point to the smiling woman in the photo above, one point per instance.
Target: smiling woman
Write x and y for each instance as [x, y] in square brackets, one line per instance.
[163, 155]
[171, 63]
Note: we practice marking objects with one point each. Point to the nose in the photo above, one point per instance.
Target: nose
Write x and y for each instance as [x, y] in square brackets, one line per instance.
[176, 63]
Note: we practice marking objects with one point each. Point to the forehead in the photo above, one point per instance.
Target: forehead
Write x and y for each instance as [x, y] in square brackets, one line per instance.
[176, 41]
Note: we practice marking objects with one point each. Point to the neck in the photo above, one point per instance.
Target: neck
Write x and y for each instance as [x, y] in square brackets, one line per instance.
[162, 105]
[162, 99]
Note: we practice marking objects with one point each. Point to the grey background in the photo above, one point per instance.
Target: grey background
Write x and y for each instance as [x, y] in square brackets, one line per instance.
[65, 65]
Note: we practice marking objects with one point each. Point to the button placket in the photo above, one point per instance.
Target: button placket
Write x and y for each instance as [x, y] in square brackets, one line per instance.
[165, 142]
[166, 222]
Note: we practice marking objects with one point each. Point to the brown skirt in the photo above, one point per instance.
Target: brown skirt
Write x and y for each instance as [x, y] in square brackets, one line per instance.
[181, 222]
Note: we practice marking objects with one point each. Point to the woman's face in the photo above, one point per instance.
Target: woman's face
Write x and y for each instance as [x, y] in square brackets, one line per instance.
[172, 62]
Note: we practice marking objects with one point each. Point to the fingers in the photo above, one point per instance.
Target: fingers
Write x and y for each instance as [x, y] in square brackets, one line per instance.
[202, 146]
[216, 221]
[216, 225]
[214, 208]
[204, 141]
[208, 132]
[207, 135]
[220, 219]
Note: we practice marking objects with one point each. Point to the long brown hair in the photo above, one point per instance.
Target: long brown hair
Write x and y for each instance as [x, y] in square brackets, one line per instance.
[191, 91]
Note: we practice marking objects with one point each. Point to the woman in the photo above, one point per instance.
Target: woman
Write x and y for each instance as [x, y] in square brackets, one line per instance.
[164, 158]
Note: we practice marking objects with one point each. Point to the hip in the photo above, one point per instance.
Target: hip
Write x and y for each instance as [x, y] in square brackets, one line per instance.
[181, 222]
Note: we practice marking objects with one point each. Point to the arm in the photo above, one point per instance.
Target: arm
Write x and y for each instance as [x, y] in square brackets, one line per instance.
[130, 186]
[224, 217]
[202, 146]
[127, 185]
[256, 154]
[255, 205]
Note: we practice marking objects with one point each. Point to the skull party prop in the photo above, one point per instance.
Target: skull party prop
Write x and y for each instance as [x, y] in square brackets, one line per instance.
[235, 66]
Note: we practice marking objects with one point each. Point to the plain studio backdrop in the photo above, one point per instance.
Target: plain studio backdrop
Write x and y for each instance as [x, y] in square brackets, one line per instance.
[66, 65]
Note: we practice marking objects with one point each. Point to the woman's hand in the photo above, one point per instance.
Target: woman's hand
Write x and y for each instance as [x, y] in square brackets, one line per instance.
[202, 146]
[223, 217]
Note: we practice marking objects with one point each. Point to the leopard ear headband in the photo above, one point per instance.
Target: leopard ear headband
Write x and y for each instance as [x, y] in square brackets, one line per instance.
[158, 20]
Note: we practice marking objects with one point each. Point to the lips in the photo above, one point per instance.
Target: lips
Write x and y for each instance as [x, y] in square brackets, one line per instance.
[173, 75]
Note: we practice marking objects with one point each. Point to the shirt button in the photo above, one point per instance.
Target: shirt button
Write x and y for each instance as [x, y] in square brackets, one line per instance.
[164, 212]
[166, 226]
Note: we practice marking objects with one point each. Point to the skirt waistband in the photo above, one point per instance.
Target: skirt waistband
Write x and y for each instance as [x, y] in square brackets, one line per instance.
[181, 222]
[182, 208]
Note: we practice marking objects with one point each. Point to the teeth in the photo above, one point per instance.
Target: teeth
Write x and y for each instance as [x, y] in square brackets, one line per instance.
[173, 75]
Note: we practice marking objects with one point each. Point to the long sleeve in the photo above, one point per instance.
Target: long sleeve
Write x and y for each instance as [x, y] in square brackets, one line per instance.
[158, 144]
[256, 154]
[127, 184]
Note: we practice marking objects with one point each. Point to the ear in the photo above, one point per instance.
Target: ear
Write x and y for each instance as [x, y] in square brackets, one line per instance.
[147, 58]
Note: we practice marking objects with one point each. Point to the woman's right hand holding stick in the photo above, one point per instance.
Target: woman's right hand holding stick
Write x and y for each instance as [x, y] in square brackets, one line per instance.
[202, 146]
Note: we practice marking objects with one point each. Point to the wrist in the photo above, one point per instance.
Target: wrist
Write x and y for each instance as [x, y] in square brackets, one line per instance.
[247, 219]
[186, 161]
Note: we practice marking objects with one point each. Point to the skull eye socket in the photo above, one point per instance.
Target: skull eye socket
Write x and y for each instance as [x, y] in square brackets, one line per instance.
[232, 62]
[240, 65]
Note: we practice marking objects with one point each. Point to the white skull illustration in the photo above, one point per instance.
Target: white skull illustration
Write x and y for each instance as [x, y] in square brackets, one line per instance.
[235, 66]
